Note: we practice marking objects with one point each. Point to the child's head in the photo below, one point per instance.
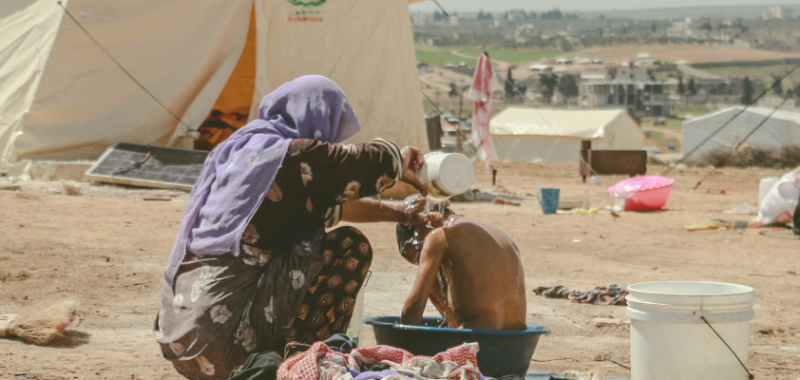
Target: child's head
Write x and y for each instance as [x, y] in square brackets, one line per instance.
[411, 238]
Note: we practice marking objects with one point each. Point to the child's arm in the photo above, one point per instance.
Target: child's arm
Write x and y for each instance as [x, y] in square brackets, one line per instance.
[430, 260]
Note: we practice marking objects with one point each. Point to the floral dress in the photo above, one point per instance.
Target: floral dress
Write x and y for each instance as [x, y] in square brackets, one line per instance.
[293, 280]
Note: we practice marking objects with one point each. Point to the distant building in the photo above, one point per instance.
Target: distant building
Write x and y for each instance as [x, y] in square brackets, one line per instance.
[778, 12]
[637, 90]
[516, 15]
[422, 19]
[679, 29]
[540, 68]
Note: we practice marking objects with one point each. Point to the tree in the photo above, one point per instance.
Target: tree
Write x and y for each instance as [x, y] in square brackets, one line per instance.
[706, 26]
[547, 85]
[481, 15]
[453, 90]
[437, 16]
[653, 27]
[532, 15]
[747, 91]
[778, 89]
[568, 86]
[681, 87]
[522, 89]
[554, 14]
[509, 85]
[691, 89]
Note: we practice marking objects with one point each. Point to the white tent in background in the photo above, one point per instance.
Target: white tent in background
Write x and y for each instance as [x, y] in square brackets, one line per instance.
[61, 97]
[782, 128]
[550, 135]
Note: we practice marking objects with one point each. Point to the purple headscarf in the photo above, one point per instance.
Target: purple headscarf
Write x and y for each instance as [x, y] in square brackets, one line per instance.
[238, 173]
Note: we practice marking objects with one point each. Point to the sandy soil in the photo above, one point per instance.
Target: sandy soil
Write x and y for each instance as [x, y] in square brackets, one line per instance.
[107, 249]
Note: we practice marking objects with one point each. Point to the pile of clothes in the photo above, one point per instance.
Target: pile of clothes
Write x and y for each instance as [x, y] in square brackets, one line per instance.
[601, 295]
[381, 362]
[338, 359]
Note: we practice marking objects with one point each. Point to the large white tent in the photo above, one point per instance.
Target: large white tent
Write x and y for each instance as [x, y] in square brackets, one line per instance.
[62, 97]
[551, 135]
[781, 129]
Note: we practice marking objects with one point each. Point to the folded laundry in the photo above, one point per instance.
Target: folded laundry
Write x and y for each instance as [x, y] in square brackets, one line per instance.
[321, 362]
[612, 295]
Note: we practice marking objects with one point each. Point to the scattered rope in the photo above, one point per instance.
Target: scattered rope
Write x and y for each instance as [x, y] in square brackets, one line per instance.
[129, 167]
[620, 364]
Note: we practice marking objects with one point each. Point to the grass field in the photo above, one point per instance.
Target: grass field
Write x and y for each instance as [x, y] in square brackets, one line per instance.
[511, 56]
[682, 110]
[442, 58]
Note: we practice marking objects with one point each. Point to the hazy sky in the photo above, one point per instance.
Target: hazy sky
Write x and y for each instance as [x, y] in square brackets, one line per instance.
[571, 5]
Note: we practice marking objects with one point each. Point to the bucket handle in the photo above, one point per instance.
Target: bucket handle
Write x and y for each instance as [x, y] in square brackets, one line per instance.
[749, 375]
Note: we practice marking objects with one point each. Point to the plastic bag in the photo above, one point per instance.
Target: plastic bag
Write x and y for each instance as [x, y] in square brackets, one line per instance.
[779, 203]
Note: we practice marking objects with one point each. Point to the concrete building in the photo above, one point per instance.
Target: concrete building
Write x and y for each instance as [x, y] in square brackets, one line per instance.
[679, 29]
[778, 12]
[637, 90]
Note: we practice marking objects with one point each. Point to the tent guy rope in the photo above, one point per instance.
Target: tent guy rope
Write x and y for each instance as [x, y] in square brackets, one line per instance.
[67, 12]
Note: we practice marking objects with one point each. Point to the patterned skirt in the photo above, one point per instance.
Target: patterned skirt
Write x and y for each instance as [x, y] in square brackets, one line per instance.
[222, 308]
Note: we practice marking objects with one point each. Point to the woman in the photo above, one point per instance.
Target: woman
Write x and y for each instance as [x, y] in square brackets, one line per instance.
[252, 267]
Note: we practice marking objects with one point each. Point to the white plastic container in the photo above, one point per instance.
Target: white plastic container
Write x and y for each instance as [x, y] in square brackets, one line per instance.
[446, 174]
[670, 341]
[764, 186]
[354, 330]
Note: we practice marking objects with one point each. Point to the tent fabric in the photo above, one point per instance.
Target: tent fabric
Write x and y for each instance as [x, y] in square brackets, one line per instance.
[781, 129]
[68, 100]
[182, 53]
[27, 33]
[365, 46]
[546, 135]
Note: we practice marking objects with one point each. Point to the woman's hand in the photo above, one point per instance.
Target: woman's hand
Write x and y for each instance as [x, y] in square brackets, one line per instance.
[412, 162]
[413, 212]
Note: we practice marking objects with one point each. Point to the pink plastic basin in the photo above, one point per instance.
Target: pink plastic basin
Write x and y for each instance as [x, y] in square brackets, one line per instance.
[643, 193]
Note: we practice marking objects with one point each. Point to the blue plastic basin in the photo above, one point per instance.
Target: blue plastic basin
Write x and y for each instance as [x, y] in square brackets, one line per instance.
[501, 352]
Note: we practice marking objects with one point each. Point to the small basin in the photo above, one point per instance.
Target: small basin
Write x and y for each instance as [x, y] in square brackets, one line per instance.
[501, 352]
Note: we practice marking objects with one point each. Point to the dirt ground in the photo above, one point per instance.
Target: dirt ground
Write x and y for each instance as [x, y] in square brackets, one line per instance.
[107, 249]
[690, 53]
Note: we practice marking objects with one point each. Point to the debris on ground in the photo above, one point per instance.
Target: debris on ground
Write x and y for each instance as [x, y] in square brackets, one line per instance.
[601, 295]
[501, 201]
[743, 209]
[42, 326]
[72, 190]
[609, 322]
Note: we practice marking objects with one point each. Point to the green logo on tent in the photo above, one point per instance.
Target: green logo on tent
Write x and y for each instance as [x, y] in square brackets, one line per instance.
[306, 3]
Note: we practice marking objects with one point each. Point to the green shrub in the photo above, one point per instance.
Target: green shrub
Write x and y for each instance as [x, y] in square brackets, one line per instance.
[785, 157]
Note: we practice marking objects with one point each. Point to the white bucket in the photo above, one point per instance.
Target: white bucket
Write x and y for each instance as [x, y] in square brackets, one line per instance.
[669, 340]
[446, 174]
[764, 187]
